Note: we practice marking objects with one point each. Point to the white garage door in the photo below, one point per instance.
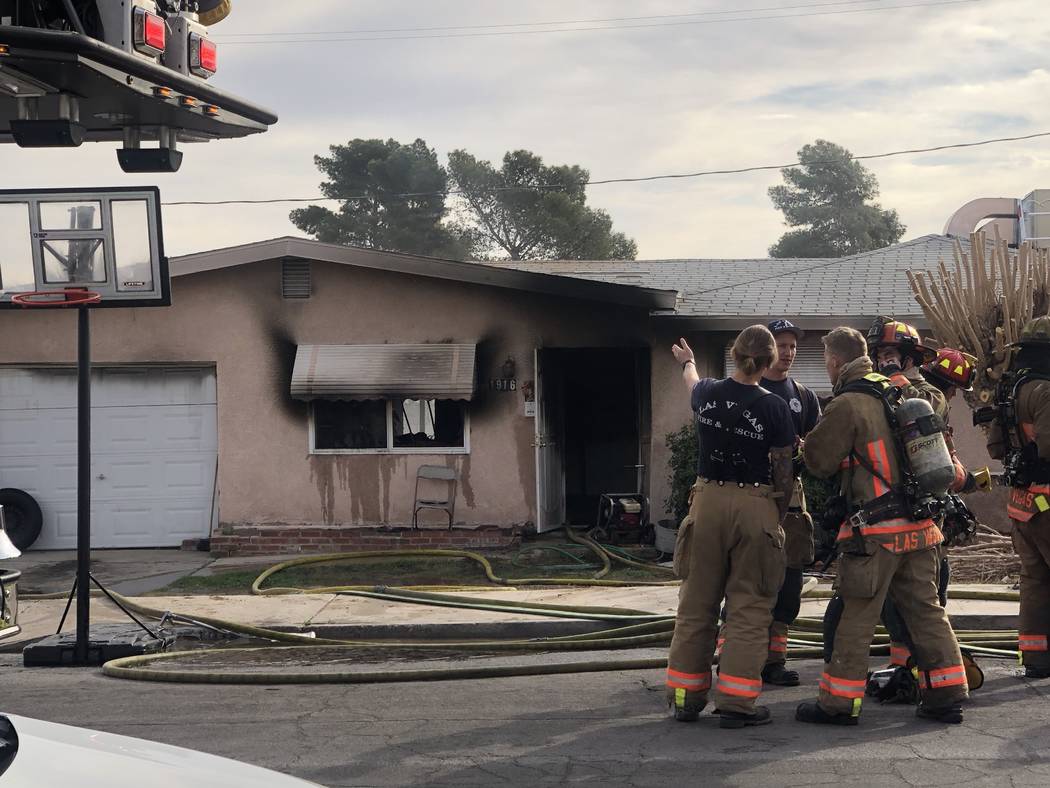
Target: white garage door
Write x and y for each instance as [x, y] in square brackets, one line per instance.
[154, 452]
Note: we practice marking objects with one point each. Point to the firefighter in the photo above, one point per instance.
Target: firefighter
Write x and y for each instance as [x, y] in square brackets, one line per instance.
[897, 351]
[951, 371]
[798, 525]
[732, 545]
[884, 551]
[1021, 438]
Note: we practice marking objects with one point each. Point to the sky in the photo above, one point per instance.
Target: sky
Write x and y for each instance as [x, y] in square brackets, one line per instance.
[663, 95]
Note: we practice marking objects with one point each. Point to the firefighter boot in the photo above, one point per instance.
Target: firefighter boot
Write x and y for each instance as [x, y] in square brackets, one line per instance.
[951, 714]
[776, 673]
[685, 706]
[736, 719]
[814, 712]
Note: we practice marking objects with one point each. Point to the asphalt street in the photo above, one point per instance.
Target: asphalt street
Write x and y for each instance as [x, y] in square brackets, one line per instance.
[599, 728]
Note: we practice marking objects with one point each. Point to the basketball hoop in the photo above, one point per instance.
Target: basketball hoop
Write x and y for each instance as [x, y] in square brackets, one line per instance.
[56, 298]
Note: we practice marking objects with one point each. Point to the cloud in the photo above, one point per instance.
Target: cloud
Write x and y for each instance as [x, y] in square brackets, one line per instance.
[619, 103]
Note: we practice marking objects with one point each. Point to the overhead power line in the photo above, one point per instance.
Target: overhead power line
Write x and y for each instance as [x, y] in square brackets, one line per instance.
[678, 23]
[599, 20]
[639, 179]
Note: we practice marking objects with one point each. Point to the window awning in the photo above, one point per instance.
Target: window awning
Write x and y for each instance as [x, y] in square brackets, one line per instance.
[355, 372]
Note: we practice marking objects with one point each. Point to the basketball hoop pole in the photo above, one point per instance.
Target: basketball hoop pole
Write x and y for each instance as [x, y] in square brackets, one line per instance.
[80, 651]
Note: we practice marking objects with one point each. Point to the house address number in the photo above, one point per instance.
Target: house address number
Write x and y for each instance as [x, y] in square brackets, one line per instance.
[503, 384]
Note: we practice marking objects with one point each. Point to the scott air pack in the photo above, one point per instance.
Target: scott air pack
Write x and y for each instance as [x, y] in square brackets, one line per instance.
[1022, 465]
[927, 469]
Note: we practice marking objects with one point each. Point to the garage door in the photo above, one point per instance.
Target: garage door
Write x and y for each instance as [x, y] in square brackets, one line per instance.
[154, 452]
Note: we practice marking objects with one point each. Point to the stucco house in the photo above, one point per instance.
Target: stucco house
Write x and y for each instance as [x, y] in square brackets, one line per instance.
[294, 388]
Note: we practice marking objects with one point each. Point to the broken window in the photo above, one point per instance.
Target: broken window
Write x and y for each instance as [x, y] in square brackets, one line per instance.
[423, 425]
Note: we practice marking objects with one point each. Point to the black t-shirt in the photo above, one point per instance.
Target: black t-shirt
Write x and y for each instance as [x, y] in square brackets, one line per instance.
[807, 404]
[763, 425]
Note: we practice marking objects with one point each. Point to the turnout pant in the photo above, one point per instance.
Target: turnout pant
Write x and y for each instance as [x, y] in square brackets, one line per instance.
[734, 548]
[1032, 543]
[900, 638]
[910, 580]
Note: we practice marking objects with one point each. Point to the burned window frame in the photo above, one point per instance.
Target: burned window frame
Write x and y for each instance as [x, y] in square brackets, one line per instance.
[391, 447]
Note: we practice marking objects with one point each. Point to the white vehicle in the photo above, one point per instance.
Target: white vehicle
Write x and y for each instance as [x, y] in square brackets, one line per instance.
[35, 754]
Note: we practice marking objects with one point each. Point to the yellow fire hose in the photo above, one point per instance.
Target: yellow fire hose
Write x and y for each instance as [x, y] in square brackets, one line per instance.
[628, 629]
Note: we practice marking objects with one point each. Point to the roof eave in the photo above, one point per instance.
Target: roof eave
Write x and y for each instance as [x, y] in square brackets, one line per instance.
[805, 322]
[432, 267]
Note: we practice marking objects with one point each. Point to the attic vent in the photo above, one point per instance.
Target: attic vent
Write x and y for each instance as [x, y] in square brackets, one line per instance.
[295, 279]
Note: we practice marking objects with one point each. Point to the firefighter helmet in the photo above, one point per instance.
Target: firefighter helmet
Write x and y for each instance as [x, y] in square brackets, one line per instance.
[952, 367]
[886, 331]
[1035, 332]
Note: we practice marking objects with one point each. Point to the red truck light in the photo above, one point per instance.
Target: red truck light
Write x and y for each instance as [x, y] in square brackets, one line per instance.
[150, 32]
[204, 56]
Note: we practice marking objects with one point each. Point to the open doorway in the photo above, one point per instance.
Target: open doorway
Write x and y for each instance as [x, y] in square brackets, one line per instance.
[595, 431]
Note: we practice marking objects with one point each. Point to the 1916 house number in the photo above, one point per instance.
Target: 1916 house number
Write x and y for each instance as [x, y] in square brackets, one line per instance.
[503, 384]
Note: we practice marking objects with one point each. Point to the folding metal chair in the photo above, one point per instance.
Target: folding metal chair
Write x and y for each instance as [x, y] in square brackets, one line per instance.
[447, 503]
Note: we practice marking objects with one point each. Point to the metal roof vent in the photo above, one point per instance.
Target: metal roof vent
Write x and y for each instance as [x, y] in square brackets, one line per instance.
[295, 278]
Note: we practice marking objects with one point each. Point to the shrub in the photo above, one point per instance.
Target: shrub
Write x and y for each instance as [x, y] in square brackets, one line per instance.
[683, 470]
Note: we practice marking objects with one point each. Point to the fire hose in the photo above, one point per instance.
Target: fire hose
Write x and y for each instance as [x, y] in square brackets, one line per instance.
[628, 629]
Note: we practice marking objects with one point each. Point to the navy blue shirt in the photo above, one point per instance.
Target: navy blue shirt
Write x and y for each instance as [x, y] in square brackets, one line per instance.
[742, 456]
[804, 405]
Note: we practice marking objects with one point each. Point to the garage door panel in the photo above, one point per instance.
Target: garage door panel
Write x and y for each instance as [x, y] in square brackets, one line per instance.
[154, 449]
[63, 516]
[22, 477]
[184, 522]
[118, 432]
[63, 475]
[123, 520]
[129, 477]
[189, 475]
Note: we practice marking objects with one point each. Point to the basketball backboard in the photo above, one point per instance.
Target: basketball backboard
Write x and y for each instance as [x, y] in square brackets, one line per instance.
[105, 240]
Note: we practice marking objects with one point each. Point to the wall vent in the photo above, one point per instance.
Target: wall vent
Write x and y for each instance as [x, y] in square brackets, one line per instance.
[295, 278]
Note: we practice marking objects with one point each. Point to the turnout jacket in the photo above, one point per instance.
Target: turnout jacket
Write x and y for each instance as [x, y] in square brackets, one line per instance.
[913, 384]
[1033, 418]
[855, 424]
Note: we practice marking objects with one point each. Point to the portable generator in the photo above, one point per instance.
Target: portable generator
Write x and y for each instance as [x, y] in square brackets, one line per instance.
[623, 518]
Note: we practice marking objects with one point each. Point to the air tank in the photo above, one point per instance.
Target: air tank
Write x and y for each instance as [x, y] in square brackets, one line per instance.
[925, 449]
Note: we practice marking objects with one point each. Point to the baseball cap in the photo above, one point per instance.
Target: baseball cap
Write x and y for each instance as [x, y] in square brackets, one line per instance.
[780, 326]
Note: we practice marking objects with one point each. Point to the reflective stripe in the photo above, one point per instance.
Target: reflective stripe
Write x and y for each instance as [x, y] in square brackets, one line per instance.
[778, 643]
[696, 682]
[741, 687]
[1041, 503]
[943, 677]
[881, 463]
[1032, 642]
[899, 655]
[842, 688]
[896, 526]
